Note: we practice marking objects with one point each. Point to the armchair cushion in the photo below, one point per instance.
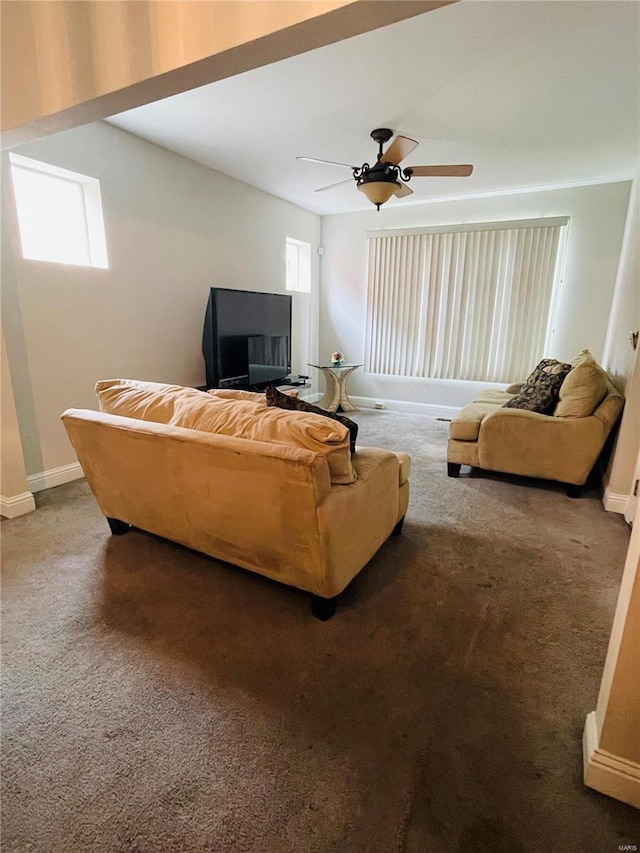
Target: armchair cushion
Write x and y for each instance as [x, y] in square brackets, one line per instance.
[540, 391]
[466, 425]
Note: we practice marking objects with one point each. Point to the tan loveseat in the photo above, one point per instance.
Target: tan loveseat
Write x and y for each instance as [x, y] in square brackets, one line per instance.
[266, 503]
[562, 446]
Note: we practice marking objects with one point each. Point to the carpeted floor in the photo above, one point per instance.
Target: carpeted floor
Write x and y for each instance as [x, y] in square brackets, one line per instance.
[157, 700]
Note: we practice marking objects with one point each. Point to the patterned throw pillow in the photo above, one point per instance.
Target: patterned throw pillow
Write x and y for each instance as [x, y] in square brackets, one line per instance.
[285, 401]
[540, 392]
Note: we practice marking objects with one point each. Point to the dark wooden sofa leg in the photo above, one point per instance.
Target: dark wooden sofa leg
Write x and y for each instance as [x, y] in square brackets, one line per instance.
[397, 530]
[453, 469]
[323, 608]
[574, 491]
[118, 528]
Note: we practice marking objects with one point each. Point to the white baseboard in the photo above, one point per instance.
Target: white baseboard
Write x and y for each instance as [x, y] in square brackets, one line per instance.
[607, 773]
[613, 502]
[432, 410]
[17, 505]
[54, 477]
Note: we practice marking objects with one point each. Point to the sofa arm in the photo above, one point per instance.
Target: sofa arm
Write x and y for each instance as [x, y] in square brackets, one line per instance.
[356, 519]
[519, 442]
[515, 388]
[367, 459]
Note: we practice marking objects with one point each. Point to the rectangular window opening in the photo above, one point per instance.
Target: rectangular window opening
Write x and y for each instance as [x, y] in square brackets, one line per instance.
[59, 214]
[298, 265]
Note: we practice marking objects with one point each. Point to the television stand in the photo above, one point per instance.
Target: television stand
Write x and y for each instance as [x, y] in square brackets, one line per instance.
[300, 382]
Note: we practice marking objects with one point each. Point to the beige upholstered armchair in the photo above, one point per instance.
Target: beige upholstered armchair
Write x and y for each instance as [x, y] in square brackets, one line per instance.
[563, 445]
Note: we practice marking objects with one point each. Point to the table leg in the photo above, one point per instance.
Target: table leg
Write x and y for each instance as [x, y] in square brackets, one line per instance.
[331, 399]
[344, 401]
[335, 394]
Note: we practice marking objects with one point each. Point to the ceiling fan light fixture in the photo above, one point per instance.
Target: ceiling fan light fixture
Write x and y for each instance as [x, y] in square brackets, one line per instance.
[386, 177]
[378, 192]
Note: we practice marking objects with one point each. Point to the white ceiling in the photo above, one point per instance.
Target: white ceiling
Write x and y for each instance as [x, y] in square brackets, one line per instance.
[532, 93]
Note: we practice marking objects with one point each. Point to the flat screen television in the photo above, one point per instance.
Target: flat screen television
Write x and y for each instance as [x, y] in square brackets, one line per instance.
[246, 340]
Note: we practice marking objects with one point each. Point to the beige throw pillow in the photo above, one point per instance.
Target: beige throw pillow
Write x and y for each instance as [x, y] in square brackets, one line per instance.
[582, 356]
[583, 389]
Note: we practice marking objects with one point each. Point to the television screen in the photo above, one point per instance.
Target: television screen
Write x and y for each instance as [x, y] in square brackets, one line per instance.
[246, 340]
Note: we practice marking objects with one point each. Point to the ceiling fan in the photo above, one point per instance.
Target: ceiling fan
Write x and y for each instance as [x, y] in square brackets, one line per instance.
[386, 177]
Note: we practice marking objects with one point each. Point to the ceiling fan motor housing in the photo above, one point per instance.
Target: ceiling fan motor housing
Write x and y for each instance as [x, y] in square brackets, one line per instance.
[377, 172]
[381, 135]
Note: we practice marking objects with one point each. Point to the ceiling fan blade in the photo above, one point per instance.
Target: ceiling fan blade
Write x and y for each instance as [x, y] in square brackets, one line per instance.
[402, 191]
[460, 171]
[331, 186]
[398, 150]
[330, 162]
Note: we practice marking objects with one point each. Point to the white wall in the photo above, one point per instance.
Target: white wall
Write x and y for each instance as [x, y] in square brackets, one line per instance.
[174, 228]
[622, 362]
[619, 356]
[597, 218]
[15, 497]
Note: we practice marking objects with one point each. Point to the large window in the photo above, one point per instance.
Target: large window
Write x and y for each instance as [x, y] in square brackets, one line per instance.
[59, 214]
[463, 302]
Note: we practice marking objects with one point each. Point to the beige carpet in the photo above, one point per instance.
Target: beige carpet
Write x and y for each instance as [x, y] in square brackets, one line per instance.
[157, 700]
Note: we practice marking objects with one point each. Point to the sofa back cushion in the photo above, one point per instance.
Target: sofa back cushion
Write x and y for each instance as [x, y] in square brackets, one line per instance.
[148, 401]
[256, 421]
[237, 394]
[583, 389]
[192, 409]
[275, 397]
[252, 396]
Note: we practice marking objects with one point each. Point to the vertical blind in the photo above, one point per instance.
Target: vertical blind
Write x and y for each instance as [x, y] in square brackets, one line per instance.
[461, 304]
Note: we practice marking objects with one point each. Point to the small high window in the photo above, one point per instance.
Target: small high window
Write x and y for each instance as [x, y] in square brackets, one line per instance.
[298, 275]
[59, 214]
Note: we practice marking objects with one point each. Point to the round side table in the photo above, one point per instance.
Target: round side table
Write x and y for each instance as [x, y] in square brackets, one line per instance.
[335, 395]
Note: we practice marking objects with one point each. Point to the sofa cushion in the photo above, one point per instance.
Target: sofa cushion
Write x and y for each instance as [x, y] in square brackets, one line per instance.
[493, 397]
[405, 467]
[583, 389]
[148, 401]
[540, 390]
[466, 424]
[238, 394]
[191, 409]
[275, 397]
